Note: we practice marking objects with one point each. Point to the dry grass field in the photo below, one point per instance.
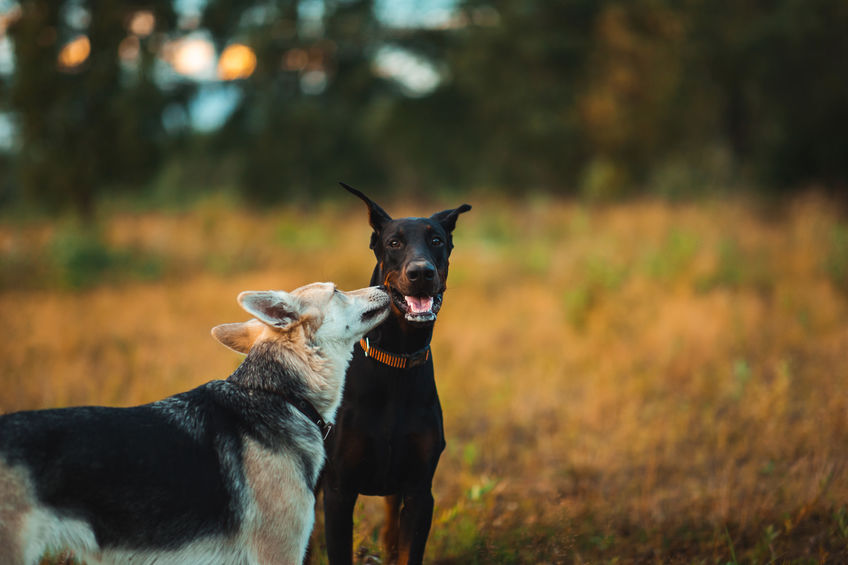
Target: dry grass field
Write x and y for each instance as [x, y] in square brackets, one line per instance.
[641, 382]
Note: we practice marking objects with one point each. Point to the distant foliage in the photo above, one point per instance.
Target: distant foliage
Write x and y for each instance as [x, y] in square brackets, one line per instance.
[600, 98]
[93, 126]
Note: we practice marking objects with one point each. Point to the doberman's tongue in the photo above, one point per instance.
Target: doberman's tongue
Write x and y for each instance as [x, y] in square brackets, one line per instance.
[419, 305]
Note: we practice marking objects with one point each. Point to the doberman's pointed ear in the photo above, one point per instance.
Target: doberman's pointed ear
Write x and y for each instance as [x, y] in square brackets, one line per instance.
[448, 217]
[377, 217]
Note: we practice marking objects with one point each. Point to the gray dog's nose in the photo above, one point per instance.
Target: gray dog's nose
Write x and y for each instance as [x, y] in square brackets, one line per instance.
[420, 270]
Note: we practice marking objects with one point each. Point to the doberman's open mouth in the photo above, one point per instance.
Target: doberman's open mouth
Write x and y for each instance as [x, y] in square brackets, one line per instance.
[417, 309]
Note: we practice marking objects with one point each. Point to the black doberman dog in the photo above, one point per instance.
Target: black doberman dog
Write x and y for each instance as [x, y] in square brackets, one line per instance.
[389, 432]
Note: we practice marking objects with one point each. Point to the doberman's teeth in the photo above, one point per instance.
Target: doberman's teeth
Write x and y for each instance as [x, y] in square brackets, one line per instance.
[419, 305]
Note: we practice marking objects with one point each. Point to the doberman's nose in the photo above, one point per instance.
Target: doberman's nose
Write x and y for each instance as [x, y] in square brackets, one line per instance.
[420, 271]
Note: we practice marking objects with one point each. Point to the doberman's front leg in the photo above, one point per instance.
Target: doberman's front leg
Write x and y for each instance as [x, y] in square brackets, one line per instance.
[391, 529]
[415, 519]
[338, 525]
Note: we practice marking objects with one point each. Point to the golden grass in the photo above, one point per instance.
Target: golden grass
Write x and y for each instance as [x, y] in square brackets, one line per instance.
[641, 382]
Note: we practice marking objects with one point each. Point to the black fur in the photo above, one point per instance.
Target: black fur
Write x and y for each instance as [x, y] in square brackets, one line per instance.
[389, 430]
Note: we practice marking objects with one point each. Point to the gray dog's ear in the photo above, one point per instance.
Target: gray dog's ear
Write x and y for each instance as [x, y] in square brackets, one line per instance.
[239, 337]
[377, 217]
[448, 217]
[275, 308]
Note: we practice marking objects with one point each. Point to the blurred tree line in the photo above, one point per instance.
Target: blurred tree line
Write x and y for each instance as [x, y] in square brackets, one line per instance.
[601, 98]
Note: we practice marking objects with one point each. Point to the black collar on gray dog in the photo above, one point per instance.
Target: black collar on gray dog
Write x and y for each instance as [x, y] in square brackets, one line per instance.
[310, 412]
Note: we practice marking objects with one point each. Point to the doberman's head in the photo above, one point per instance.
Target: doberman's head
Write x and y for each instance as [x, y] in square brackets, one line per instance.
[412, 258]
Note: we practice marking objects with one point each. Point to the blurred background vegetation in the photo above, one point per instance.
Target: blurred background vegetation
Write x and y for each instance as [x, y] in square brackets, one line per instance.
[678, 395]
[278, 99]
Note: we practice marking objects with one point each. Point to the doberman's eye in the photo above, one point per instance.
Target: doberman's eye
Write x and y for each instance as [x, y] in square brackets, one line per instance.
[393, 243]
[437, 242]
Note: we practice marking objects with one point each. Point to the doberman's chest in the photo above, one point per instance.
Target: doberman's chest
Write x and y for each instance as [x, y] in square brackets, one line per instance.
[392, 429]
[379, 464]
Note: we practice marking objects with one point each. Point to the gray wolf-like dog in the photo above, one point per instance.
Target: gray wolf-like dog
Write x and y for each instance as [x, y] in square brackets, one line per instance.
[221, 474]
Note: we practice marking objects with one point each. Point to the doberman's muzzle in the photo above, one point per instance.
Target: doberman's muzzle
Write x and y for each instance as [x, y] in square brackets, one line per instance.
[416, 291]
